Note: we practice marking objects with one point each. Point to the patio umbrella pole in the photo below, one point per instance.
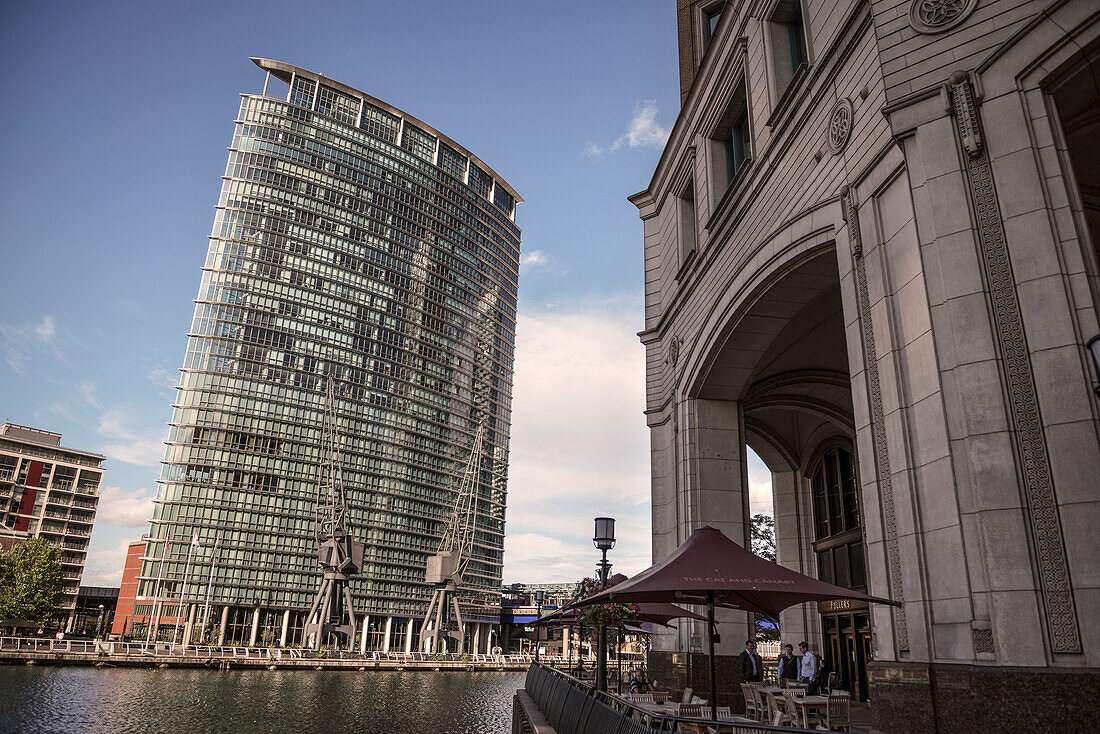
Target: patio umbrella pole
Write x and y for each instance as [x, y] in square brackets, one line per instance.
[713, 672]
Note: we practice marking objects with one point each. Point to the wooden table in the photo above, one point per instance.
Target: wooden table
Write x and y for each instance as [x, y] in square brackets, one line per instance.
[805, 703]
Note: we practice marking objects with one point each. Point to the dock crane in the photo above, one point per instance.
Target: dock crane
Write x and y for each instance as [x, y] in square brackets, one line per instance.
[445, 570]
[339, 555]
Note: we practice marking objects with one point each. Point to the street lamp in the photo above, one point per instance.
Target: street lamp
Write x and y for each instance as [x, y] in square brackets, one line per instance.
[540, 595]
[604, 540]
[1093, 346]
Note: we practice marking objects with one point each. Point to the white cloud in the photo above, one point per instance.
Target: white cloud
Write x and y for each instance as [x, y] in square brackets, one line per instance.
[133, 446]
[22, 341]
[642, 132]
[163, 376]
[104, 565]
[129, 509]
[86, 390]
[580, 446]
[534, 259]
[46, 329]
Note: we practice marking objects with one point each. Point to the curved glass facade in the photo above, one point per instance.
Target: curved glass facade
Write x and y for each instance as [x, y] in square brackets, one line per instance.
[350, 241]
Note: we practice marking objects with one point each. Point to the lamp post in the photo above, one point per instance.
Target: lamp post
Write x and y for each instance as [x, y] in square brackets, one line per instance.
[539, 597]
[604, 540]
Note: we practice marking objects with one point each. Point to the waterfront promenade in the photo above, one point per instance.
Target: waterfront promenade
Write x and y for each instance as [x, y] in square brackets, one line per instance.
[41, 651]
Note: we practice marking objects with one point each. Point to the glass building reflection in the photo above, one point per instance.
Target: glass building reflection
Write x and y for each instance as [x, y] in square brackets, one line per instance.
[351, 241]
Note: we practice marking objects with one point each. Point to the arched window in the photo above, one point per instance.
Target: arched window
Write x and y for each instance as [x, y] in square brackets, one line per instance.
[838, 530]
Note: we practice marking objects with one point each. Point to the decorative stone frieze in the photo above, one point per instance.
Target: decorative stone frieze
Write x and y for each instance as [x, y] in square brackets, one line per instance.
[983, 641]
[878, 421]
[939, 16]
[840, 125]
[1044, 523]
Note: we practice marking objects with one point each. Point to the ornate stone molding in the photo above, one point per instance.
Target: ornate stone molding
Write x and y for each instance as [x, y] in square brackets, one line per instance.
[1044, 522]
[878, 420]
[983, 641]
[840, 125]
[939, 16]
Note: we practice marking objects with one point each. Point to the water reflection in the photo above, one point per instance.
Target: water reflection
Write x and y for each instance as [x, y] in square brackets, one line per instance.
[266, 702]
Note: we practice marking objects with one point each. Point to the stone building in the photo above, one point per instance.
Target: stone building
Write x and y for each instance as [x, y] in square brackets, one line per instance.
[871, 255]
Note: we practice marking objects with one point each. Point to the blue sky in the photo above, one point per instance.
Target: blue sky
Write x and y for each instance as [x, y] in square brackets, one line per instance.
[114, 131]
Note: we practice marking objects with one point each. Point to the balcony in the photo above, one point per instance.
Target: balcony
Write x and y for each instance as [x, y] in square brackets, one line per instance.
[74, 546]
[79, 531]
[62, 483]
[81, 518]
[7, 475]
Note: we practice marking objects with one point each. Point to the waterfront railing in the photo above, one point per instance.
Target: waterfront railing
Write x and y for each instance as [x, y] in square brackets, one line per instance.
[554, 701]
[168, 649]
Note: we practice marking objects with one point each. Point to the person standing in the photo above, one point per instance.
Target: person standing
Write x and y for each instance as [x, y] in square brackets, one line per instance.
[788, 664]
[752, 667]
[807, 669]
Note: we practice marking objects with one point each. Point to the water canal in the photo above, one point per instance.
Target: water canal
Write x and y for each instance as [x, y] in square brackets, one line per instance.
[60, 699]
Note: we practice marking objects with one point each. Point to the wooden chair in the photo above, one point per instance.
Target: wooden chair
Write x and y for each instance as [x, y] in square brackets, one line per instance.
[777, 711]
[690, 710]
[686, 698]
[750, 701]
[794, 712]
[723, 712]
[759, 702]
[838, 712]
[660, 696]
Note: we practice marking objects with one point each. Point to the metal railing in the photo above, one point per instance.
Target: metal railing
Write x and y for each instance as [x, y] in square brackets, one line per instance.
[48, 645]
[572, 706]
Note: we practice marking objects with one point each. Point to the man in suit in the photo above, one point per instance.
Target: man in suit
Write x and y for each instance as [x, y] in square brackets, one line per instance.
[752, 667]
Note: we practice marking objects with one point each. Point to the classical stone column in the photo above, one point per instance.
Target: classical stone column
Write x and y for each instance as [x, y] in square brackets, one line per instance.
[794, 550]
[255, 627]
[189, 626]
[224, 624]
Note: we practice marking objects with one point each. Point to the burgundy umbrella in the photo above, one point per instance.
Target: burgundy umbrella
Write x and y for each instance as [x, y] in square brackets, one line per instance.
[711, 569]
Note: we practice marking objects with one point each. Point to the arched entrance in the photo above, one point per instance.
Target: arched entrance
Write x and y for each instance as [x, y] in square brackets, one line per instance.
[784, 363]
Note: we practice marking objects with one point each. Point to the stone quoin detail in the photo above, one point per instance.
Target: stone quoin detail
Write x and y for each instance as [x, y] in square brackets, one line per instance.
[938, 16]
[1044, 523]
[878, 419]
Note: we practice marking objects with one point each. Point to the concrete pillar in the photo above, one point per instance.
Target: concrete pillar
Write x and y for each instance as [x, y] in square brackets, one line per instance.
[477, 638]
[189, 626]
[409, 636]
[794, 531]
[255, 627]
[566, 641]
[286, 626]
[363, 634]
[386, 636]
[224, 624]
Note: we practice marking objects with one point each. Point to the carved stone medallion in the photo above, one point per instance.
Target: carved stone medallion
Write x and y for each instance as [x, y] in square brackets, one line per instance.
[840, 125]
[937, 16]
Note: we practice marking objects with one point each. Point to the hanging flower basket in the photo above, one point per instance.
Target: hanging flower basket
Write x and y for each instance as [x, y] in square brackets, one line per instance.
[601, 615]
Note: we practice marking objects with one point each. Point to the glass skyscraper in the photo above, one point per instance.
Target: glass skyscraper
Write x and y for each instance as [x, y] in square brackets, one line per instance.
[351, 242]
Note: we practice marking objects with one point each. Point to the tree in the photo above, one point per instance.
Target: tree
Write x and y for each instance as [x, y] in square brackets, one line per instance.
[763, 545]
[763, 536]
[30, 582]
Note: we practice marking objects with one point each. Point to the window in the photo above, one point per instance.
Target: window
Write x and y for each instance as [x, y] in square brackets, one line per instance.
[838, 539]
[711, 16]
[788, 43]
[302, 93]
[731, 143]
[688, 227]
[737, 145]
